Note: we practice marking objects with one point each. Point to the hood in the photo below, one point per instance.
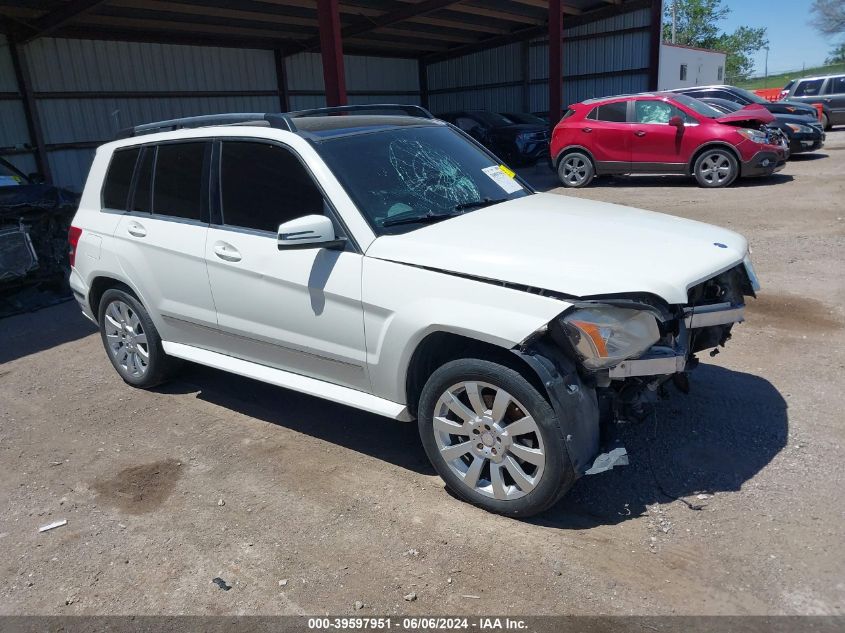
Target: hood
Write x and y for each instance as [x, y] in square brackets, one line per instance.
[791, 107]
[752, 113]
[572, 246]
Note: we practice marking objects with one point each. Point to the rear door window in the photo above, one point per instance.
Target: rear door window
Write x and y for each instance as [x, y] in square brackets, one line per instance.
[178, 183]
[835, 86]
[263, 185]
[809, 88]
[119, 179]
[612, 112]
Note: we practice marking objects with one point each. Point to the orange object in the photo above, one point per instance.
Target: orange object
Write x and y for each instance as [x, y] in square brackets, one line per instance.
[820, 109]
[769, 94]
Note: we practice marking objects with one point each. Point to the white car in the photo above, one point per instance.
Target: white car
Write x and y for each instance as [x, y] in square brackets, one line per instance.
[390, 263]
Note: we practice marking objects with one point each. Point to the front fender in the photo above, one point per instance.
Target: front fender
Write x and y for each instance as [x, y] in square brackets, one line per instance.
[403, 304]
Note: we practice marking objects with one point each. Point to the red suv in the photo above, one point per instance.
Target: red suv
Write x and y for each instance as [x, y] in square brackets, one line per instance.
[663, 133]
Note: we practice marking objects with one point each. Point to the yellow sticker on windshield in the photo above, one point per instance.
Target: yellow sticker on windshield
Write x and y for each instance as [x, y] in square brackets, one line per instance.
[510, 173]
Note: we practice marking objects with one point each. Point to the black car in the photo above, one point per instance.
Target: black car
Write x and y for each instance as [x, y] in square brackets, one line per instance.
[526, 117]
[745, 97]
[804, 133]
[515, 143]
[34, 221]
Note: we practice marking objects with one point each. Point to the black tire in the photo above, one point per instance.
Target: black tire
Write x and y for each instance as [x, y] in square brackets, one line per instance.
[159, 365]
[557, 475]
[576, 170]
[719, 159]
[826, 121]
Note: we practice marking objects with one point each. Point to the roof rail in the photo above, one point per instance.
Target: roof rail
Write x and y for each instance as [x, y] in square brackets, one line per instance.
[376, 108]
[282, 121]
[276, 120]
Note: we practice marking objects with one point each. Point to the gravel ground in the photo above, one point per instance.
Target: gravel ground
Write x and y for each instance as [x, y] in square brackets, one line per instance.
[732, 503]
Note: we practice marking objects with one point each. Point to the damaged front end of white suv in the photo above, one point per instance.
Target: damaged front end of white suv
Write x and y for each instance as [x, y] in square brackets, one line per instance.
[626, 349]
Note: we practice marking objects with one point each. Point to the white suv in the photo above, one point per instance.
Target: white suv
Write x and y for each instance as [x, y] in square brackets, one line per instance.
[390, 263]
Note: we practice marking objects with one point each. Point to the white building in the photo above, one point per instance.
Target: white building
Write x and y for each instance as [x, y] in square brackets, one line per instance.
[684, 66]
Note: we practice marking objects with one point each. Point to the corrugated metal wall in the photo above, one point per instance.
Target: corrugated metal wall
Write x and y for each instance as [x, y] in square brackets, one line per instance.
[87, 90]
[368, 80]
[13, 130]
[603, 57]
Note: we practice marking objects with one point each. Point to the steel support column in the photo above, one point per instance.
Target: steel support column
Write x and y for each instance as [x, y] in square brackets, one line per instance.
[331, 49]
[555, 58]
[654, 40]
[33, 123]
[525, 54]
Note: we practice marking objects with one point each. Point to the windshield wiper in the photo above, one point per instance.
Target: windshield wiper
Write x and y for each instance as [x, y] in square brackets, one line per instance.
[428, 218]
[486, 202]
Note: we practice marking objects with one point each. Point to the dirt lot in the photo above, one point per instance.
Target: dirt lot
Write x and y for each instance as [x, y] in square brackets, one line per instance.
[303, 506]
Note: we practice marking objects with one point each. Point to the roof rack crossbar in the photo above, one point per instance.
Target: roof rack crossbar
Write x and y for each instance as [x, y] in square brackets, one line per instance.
[406, 109]
[273, 119]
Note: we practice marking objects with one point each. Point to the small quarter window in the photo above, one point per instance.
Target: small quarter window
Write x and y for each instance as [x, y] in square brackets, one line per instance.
[263, 185]
[177, 190]
[119, 179]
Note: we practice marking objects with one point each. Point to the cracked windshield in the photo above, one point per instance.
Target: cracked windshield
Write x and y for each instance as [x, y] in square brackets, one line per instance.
[403, 179]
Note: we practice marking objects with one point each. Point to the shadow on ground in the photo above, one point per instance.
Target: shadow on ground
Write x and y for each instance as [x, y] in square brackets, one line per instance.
[711, 441]
[714, 440]
[397, 443]
[33, 332]
[541, 178]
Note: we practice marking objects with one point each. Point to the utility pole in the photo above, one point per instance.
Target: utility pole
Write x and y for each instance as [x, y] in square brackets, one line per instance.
[674, 18]
[766, 71]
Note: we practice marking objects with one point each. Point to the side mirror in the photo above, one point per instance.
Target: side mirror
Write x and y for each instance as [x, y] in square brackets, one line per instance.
[309, 231]
[677, 121]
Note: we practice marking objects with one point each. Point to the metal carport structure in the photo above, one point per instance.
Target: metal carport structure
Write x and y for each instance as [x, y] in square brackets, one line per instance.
[59, 69]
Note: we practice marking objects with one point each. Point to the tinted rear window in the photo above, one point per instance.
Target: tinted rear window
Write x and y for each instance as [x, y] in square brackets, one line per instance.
[612, 112]
[119, 178]
[179, 179]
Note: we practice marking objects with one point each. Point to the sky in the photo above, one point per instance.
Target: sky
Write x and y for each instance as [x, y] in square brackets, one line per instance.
[792, 41]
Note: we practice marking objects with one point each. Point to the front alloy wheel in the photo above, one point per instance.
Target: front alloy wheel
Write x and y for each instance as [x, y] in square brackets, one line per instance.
[493, 445]
[716, 168]
[493, 438]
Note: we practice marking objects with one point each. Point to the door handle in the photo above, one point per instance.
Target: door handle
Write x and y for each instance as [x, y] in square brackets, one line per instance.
[137, 229]
[227, 252]
[639, 133]
[587, 129]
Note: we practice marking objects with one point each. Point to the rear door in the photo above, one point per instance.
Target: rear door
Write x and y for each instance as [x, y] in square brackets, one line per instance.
[607, 134]
[834, 99]
[296, 310]
[161, 239]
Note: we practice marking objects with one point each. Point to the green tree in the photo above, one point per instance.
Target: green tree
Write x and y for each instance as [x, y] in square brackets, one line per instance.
[837, 55]
[829, 16]
[697, 24]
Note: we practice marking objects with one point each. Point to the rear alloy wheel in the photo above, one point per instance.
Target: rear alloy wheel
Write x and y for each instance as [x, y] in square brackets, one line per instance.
[715, 168]
[493, 438]
[576, 170]
[131, 340]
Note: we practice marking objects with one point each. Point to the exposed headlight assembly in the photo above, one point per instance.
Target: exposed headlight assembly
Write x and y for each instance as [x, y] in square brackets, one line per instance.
[604, 336]
[752, 135]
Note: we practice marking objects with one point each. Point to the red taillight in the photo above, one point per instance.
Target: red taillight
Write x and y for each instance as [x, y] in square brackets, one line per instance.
[73, 235]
